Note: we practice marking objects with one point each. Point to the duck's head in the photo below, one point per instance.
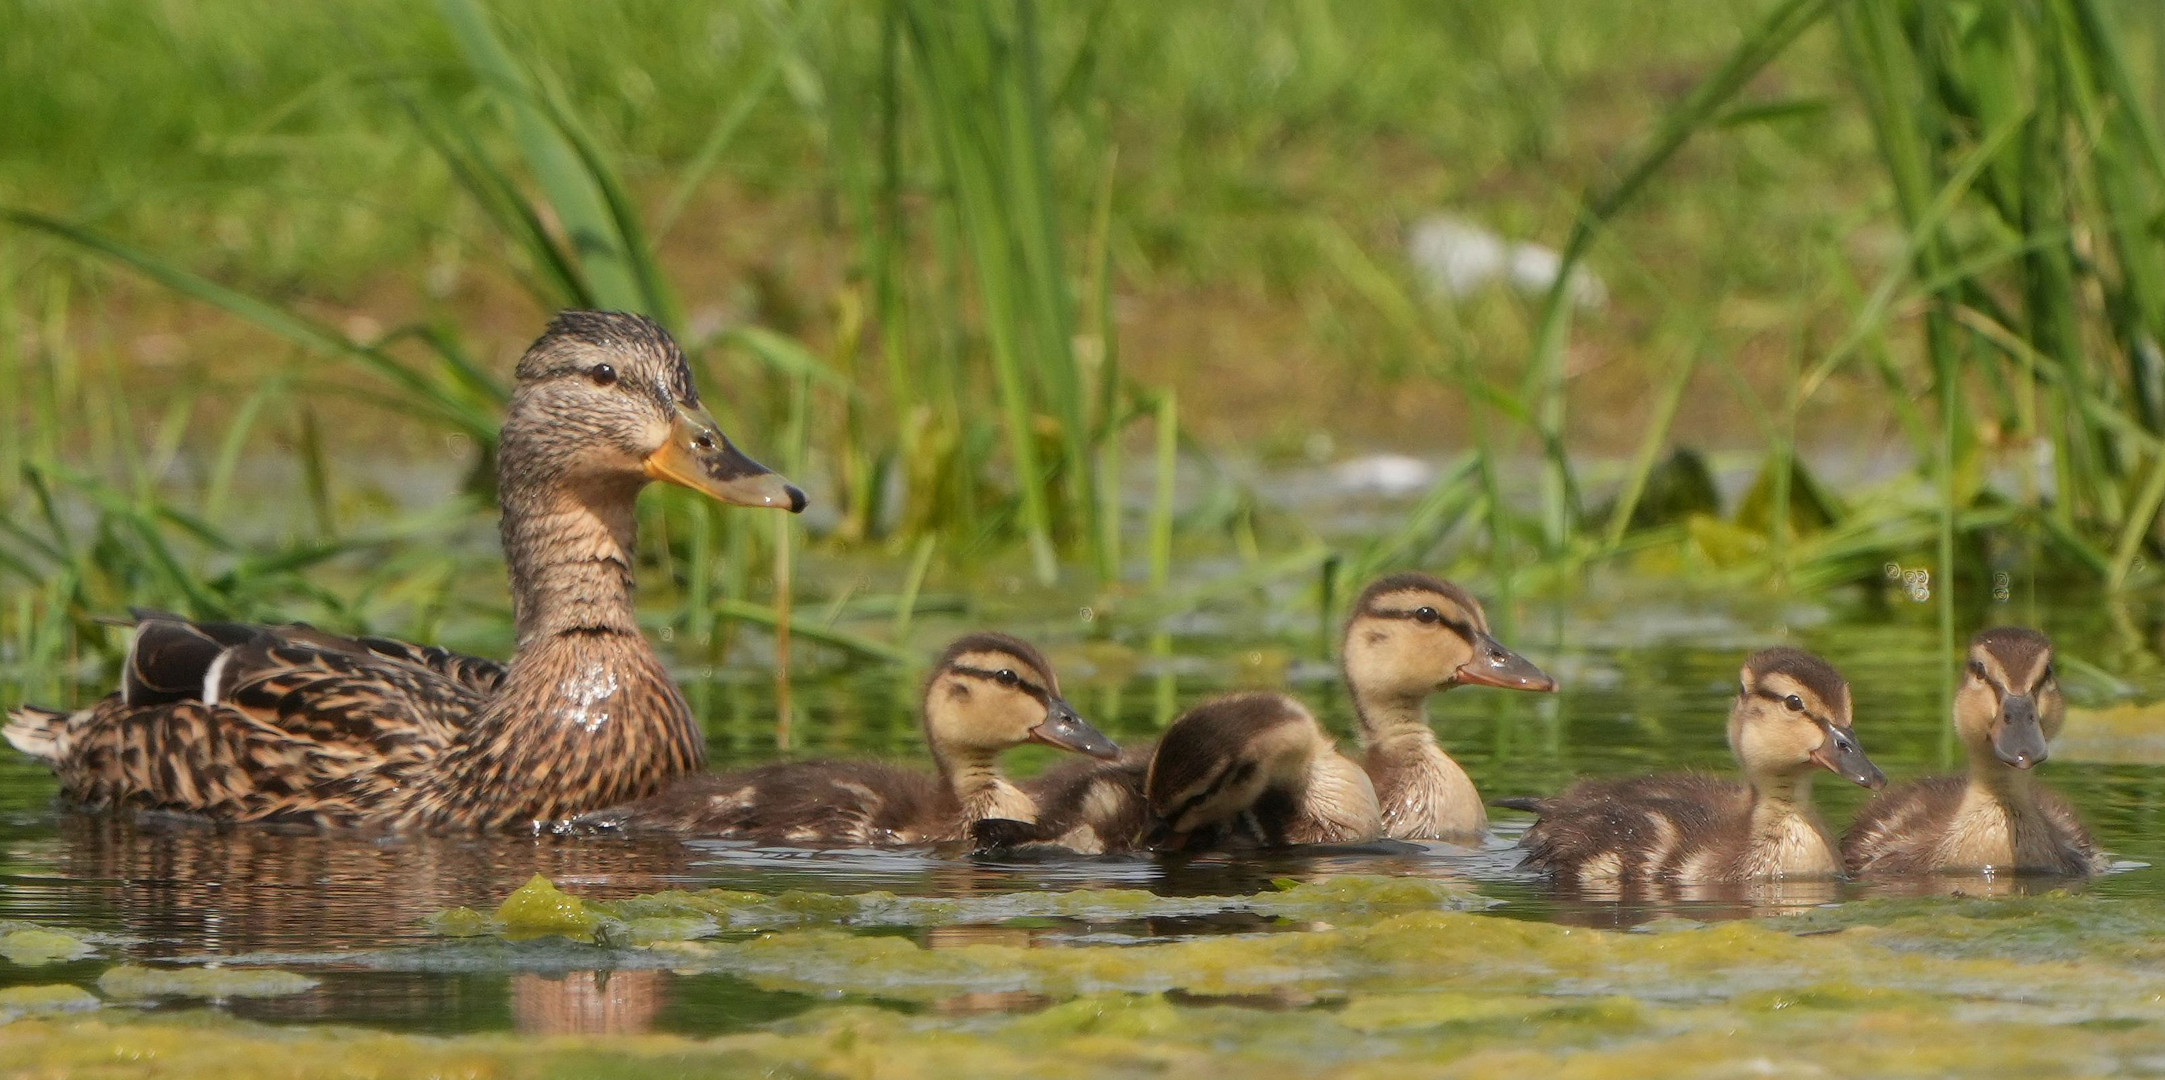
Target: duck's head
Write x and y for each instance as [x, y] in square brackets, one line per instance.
[605, 400]
[1792, 715]
[1411, 635]
[991, 692]
[2009, 705]
[1221, 756]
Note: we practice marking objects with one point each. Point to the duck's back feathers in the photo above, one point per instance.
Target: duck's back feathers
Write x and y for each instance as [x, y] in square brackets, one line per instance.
[255, 723]
[798, 804]
[1087, 807]
[1912, 829]
[1684, 826]
[1238, 772]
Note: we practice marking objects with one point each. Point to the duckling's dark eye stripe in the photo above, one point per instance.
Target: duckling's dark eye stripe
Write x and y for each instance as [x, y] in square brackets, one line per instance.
[1464, 629]
[1783, 700]
[1022, 684]
[1225, 775]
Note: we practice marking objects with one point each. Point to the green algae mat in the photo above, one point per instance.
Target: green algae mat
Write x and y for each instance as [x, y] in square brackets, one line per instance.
[1351, 976]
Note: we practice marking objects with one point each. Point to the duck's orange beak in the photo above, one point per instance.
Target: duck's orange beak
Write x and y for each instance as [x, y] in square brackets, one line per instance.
[698, 456]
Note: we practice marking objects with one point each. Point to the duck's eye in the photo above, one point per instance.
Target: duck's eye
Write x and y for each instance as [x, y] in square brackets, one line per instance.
[602, 374]
[1006, 677]
[1795, 703]
[1427, 615]
[703, 440]
[2049, 673]
[1977, 669]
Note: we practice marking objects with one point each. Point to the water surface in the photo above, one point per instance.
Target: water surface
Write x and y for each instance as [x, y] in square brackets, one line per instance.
[1647, 685]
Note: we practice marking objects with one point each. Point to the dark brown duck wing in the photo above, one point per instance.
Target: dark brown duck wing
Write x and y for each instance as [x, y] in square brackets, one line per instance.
[252, 722]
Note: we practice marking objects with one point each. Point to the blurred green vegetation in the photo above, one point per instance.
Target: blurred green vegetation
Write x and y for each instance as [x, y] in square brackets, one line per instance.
[954, 264]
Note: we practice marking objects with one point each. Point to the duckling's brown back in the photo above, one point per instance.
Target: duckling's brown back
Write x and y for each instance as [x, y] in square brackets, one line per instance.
[810, 803]
[1644, 829]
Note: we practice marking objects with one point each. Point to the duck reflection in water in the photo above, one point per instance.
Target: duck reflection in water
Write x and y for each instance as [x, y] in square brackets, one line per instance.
[588, 1002]
[185, 890]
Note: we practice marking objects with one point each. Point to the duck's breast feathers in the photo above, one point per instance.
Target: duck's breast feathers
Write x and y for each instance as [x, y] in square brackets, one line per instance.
[1900, 829]
[1641, 829]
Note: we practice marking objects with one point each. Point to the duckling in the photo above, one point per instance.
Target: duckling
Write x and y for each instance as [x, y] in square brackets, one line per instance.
[1411, 636]
[1240, 771]
[286, 723]
[1257, 764]
[987, 694]
[1791, 717]
[1998, 817]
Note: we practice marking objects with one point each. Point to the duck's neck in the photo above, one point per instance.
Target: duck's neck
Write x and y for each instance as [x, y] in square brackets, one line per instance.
[586, 716]
[1394, 723]
[1787, 837]
[1423, 794]
[2009, 786]
[569, 549]
[973, 776]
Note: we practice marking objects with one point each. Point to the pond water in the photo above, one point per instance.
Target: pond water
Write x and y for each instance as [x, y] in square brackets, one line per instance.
[1647, 681]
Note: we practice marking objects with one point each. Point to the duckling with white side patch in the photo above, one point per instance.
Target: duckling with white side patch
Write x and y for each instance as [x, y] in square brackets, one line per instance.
[1998, 817]
[1791, 718]
[987, 694]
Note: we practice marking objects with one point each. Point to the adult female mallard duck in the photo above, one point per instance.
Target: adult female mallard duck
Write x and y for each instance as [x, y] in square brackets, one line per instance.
[987, 694]
[1791, 718]
[1241, 771]
[1998, 817]
[1410, 637]
[246, 723]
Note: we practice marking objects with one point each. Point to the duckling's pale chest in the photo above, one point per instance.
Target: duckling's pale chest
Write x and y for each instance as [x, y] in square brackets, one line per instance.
[1788, 842]
[1423, 794]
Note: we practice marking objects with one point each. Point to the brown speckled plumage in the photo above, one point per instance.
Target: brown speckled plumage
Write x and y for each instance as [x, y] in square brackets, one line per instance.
[1791, 717]
[986, 694]
[291, 724]
[1999, 816]
[1412, 636]
[1242, 771]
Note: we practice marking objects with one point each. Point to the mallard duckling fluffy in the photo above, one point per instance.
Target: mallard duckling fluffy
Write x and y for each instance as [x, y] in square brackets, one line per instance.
[1256, 769]
[1241, 771]
[1410, 637]
[987, 694]
[1791, 718]
[287, 723]
[1997, 817]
